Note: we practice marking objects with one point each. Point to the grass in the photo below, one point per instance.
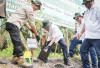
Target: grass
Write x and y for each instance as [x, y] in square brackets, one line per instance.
[52, 55]
[9, 51]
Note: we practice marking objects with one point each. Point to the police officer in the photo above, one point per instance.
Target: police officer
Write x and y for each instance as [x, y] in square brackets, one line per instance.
[13, 25]
[92, 32]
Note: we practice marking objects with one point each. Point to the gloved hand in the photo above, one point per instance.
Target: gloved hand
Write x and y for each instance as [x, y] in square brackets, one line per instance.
[46, 48]
[38, 38]
[31, 30]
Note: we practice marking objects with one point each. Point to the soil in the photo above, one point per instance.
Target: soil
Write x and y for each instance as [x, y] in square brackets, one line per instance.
[52, 63]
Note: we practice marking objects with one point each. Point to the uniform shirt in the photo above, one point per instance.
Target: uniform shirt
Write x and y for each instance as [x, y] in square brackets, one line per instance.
[22, 15]
[79, 28]
[53, 32]
[92, 23]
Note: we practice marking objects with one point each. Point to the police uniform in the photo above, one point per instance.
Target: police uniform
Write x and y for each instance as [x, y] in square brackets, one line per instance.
[15, 22]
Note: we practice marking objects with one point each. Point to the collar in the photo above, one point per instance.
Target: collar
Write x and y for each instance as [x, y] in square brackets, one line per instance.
[93, 6]
[50, 27]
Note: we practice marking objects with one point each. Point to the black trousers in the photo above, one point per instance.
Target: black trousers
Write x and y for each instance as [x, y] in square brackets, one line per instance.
[15, 37]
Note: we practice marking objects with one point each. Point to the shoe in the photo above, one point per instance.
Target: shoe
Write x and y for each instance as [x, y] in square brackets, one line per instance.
[46, 61]
[14, 60]
[22, 63]
[3, 62]
[67, 63]
[70, 55]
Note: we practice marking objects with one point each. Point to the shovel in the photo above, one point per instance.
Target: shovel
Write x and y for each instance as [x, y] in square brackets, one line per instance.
[43, 56]
[27, 53]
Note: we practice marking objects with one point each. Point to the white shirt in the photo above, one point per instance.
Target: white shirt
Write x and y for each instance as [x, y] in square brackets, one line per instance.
[92, 23]
[53, 32]
[79, 28]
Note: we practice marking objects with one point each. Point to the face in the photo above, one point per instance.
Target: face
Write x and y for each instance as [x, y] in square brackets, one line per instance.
[89, 4]
[48, 28]
[78, 19]
[36, 7]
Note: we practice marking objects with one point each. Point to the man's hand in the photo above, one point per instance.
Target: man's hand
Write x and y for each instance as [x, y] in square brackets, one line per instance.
[79, 35]
[46, 48]
[72, 37]
[38, 38]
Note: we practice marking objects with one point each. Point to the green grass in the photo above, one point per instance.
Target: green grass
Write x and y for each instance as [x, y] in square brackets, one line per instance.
[7, 52]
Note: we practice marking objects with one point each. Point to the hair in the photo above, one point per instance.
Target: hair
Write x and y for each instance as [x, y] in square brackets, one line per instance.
[32, 2]
[92, 0]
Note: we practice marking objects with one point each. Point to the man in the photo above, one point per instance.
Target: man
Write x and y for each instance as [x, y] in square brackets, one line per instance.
[75, 41]
[54, 35]
[13, 25]
[92, 32]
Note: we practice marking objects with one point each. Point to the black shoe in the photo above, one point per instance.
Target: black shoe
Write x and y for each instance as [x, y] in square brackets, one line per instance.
[70, 55]
[67, 63]
[3, 62]
[46, 61]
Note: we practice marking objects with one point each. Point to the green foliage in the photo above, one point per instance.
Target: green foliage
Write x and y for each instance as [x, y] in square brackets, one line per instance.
[56, 55]
[70, 33]
[3, 25]
[7, 52]
[25, 32]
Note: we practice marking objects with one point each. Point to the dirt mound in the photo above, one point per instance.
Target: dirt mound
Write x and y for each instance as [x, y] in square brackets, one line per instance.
[59, 66]
[52, 63]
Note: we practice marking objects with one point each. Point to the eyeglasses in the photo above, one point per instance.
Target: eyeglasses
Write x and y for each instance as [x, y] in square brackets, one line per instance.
[76, 18]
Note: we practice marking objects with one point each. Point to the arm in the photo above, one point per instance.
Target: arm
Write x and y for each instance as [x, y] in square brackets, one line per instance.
[27, 26]
[72, 37]
[34, 30]
[50, 44]
[52, 41]
[82, 31]
[30, 15]
[43, 39]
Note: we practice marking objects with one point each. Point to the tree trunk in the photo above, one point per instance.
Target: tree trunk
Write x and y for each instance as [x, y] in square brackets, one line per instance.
[55, 49]
[0, 28]
[67, 40]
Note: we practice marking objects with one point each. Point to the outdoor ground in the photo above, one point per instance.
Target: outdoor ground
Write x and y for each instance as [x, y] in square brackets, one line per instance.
[52, 63]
